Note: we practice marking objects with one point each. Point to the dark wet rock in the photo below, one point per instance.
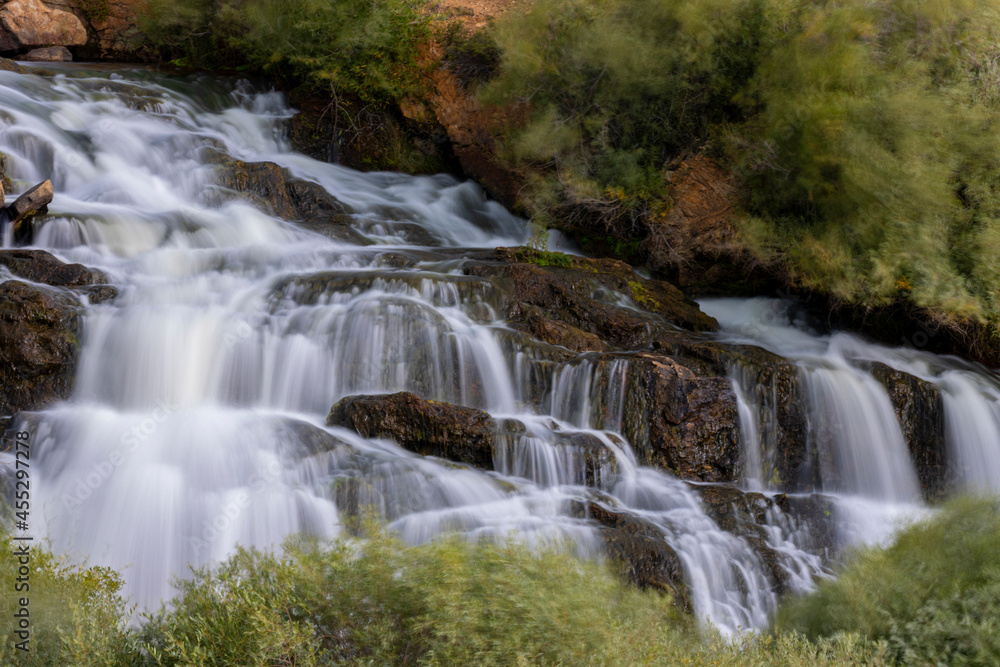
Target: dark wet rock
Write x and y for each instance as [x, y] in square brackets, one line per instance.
[309, 440]
[642, 549]
[41, 267]
[395, 260]
[38, 346]
[920, 410]
[555, 332]
[269, 187]
[50, 54]
[98, 293]
[682, 422]
[774, 383]
[21, 213]
[743, 514]
[312, 202]
[816, 514]
[429, 428]
[264, 182]
[596, 458]
[581, 293]
[410, 233]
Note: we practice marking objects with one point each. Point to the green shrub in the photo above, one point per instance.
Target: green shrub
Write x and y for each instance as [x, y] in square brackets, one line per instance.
[365, 50]
[475, 58]
[617, 89]
[77, 616]
[377, 601]
[933, 596]
[871, 157]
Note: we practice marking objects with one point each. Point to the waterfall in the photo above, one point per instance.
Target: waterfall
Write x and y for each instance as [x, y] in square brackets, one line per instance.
[197, 418]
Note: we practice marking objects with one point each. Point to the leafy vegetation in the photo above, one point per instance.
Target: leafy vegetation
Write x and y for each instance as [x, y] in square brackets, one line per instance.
[933, 597]
[376, 601]
[365, 50]
[863, 132]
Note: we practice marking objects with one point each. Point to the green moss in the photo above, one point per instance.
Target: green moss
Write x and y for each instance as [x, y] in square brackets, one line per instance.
[543, 258]
[642, 297]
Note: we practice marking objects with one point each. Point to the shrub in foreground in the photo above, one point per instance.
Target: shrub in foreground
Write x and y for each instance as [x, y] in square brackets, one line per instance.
[377, 601]
[933, 597]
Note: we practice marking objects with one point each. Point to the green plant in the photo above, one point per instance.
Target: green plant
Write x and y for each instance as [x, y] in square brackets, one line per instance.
[933, 596]
[474, 58]
[543, 257]
[96, 10]
[366, 51]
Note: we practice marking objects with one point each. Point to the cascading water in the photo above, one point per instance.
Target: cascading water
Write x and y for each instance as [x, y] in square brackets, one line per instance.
[851, 419]
[196, 422]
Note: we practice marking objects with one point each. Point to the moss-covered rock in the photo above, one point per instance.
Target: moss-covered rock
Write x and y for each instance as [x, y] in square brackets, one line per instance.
[602, 297]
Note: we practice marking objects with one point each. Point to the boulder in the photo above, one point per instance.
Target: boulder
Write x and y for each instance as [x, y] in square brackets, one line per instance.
[680, 421]
[789, 461]
[920, 410]
[50, 54]
[31, 23]
[642, 550]
[39, 327]
[429, 428]
[26, 207]
[590, 295]
[38, 346]
[40, 266]
[744, 514]
[269, 187]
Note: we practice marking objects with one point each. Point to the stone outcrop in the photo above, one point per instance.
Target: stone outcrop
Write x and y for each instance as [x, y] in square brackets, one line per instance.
[21, 213]
[39, 327]
[540, 293]
[429, 428]
[49, 54]
[29, 23]
[40, 266]
[920, 411]
[272, 189]
[641, 548]
[679, 421]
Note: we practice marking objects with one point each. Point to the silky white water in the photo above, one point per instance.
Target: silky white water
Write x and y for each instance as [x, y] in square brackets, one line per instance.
[196, 422]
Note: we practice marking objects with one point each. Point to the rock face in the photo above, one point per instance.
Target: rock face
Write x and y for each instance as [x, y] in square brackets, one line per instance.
[642, 549]
[39, 328]
[51, 54]
[682, 422]
[38, 346]
[272, 189]
[31, 23]
[920, 410]
[425, 427]
[583, 294]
